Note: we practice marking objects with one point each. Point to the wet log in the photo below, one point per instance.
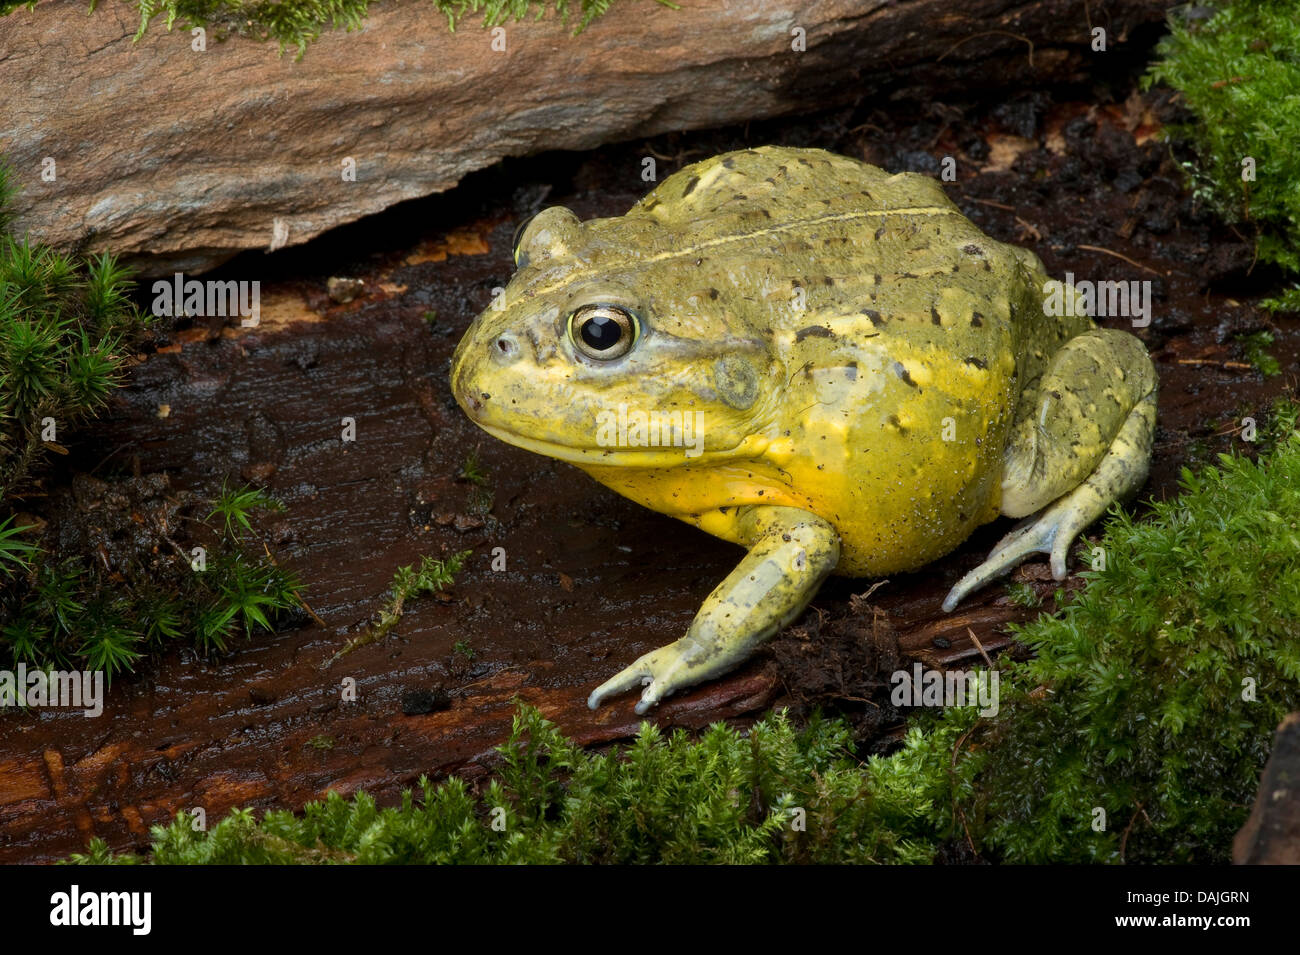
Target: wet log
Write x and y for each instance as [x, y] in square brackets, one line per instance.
[178, 159]
[1271, 836]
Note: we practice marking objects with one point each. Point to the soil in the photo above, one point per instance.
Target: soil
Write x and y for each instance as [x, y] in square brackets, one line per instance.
[591, 581]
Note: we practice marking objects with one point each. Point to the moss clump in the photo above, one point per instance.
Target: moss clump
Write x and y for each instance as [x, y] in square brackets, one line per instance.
[98, 592]
[1255, 349]
[775, 794]
[432, 577]
[1239, 73]
[103, 591]
[297, 23]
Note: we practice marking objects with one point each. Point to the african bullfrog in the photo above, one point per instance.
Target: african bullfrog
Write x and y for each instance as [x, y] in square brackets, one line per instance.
[820, 361]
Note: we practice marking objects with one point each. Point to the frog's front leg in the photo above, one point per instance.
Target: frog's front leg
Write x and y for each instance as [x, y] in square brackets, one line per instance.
[790, 553]
[1082, 439]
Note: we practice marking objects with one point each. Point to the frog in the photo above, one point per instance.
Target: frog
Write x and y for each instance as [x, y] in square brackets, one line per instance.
[816, 359]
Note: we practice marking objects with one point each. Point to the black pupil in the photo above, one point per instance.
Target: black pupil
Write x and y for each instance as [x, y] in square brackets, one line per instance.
[601, 333]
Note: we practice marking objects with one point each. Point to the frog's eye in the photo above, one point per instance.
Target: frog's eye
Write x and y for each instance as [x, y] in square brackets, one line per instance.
[603, 332]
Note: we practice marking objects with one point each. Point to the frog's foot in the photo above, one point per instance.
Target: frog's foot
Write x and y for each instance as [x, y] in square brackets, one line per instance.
[662, 672]
[1083, 440]
[791, 553]
[1049, 532]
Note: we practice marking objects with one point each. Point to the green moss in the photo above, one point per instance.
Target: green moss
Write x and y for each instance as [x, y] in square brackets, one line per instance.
[408, 582]
[1254, 348]
[1022, 594]
[773, 794]
[296, 23]
[1239, 74]
[66, 329]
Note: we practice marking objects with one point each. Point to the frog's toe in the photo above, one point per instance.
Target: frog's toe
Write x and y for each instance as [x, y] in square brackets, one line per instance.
[1049, 532]
[633, 676]
[663, 672]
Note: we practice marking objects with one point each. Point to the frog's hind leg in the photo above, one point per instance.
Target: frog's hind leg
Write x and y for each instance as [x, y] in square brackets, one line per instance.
[1082, 439]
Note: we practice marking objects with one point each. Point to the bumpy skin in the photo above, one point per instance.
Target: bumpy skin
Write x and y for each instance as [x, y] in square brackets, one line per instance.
[874, 376]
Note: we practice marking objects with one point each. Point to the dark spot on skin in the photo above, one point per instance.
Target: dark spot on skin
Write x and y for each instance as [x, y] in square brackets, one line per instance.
[903, 373]
[771, 180]
[826, 202]
[972, 249]
[979, 363]
[906, 275]
[877, 278]
[699, 262]
[826, 279]
[651, 204]
[880, 232]
[893, 419]
[690, 186]
[739, 197]
[766, 214]
[987, 267]
[851, 371]
[1056, 395]
[872, 314]
[805, 162]
[934, 316]
[485, 396]
[961, 516]
[713, 293]
[976, 320]
[729, 163]
[813, 331]
[783, 169]
[867, 194]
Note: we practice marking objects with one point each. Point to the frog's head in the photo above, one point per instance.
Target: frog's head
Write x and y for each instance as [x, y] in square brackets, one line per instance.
[612, 346]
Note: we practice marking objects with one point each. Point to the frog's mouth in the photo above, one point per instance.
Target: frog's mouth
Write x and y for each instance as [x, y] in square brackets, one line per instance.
[650, 457]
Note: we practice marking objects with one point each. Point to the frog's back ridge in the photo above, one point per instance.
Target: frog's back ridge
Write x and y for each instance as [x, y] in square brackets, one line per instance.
[785, 185]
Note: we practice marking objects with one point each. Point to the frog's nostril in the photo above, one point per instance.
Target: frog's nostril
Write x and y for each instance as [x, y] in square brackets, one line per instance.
[506, 347]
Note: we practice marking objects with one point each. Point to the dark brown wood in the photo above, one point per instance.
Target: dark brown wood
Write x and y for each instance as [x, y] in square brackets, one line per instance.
[1271, 836]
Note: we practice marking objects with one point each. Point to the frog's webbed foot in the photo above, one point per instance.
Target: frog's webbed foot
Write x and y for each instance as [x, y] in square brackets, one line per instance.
[791, 553]
[1082, 442]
